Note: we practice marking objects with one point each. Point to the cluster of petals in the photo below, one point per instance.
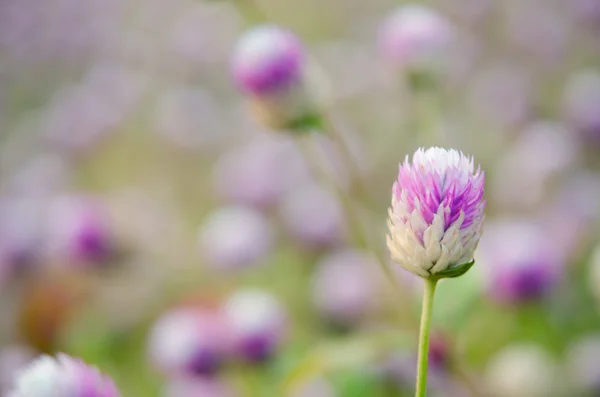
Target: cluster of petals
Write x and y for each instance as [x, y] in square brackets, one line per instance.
[437, 213]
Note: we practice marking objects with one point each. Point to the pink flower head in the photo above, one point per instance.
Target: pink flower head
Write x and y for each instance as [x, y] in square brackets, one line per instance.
[266, 59]
[63, 376]
[414, 36]
[437, 213]
[189, 342]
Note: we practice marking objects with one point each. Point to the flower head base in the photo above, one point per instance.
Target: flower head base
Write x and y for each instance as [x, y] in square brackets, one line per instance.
[437, 213]
[62, 377]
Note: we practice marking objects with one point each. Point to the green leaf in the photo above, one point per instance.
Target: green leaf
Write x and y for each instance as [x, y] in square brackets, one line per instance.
[455, 271]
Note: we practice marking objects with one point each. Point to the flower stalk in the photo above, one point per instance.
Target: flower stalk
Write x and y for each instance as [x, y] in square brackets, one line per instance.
[423, 360]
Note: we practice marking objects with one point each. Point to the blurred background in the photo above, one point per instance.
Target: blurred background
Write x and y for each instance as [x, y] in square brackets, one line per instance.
[151, 226]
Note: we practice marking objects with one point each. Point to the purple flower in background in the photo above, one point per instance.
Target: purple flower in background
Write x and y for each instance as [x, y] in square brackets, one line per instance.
[343, 286]
[257, 321]
[234, 238]
[79, 230]
[189, 342]
[267, 58]
[414, 38]
[522, 263]
[197, 387]
[63, 376]
[313, 216]
[581, 102]
[437, 213]
[270, 66]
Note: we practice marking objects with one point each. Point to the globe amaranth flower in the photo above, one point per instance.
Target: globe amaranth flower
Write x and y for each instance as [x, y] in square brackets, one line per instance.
[189, 342]
[269, 65]
[414, 38]
[63, 376]
[436, 218]
[257, 321]
[522, 261]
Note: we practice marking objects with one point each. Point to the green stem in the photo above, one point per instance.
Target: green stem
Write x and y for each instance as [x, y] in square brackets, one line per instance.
[426, 312]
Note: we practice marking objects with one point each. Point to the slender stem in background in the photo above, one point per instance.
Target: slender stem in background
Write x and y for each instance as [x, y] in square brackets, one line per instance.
[426, 311]
[360, 233]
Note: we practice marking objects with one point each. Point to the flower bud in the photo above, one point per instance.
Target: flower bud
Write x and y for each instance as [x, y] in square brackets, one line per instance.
[436, 218]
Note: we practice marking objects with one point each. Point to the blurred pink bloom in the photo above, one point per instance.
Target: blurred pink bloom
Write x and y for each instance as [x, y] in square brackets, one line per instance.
[313, 217]
[521, 262]
[63, 376]
[258, 323]
[79, 230]
[259, 173]
[234, 238]
[189, 342]
[267, 58]
[436, 218]
[343, 286]
[414, 37]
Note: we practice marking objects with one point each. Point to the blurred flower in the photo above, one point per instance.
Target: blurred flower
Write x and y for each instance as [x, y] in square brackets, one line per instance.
[79, 230]
[583, 364]
[523, 370]
[581, 102]
[189, 341]
[269, 65]
[197, 387]
[12, 359]
[233, 238]
[570, 216]
[62, 377]
[313, 216]
[521, 262]
[543, 151]
[414, 38]
[436, 218]
[343, 288]
[257, 321]
[259, 173]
